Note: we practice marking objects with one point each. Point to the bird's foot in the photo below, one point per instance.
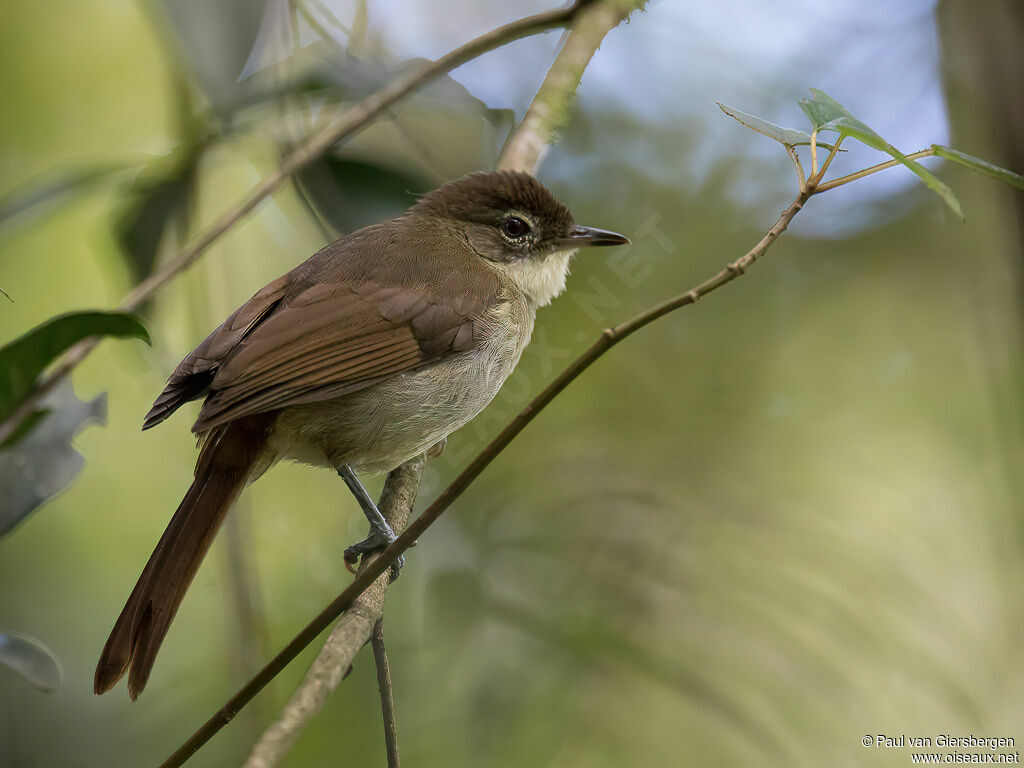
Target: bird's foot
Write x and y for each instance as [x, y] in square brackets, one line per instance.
[379, 538]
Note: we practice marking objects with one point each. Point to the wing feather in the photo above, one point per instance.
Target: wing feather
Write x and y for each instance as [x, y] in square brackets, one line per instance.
[364, 308]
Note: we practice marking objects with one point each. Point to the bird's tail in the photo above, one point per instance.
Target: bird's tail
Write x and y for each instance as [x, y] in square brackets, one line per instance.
[225, 462]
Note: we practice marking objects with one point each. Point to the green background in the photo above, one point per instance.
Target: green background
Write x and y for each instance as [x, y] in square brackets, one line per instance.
[766, 526]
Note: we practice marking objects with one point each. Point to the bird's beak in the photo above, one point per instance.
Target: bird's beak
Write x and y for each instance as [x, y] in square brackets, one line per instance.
[581, 236]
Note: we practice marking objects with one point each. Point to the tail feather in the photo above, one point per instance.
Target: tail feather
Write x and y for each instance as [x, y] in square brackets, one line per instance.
[224, 465]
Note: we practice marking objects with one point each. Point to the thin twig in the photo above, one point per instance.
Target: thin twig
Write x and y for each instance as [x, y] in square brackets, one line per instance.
[814, 152]
[800, 178]
[873, 169]
[349, 123]
[833, 151]
[387, 695]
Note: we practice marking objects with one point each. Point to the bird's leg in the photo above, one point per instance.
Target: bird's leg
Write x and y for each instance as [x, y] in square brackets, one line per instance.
[381, 534]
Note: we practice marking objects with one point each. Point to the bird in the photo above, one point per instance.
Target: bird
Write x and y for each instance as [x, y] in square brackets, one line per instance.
[365, 355]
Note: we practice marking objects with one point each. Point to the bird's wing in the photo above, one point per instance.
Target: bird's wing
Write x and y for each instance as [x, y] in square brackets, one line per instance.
[323, 338]
[191, 379]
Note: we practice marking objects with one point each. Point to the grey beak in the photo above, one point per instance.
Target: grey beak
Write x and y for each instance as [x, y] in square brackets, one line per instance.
[581, 236]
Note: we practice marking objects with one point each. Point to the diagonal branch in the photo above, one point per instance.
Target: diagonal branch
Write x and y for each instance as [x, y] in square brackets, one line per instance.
[351, 121]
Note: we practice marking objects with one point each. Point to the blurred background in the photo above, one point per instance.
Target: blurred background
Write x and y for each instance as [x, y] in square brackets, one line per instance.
[764, 527]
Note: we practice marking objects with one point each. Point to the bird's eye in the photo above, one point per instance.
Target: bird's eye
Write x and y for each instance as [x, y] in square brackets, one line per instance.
[514, 227]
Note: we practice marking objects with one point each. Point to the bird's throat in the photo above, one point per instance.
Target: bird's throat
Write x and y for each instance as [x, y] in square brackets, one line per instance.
[540, 280]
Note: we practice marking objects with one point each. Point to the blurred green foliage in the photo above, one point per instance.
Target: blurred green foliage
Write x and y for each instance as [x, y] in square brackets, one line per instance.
[773, 523]
[22, 360]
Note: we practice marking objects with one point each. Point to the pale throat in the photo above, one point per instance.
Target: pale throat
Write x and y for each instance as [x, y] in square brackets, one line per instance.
[540, 280]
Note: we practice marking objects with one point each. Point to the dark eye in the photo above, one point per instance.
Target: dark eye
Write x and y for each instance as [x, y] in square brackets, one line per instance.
[514, 227]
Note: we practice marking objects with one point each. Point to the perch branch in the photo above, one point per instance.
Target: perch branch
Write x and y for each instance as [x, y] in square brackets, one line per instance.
[351, 121]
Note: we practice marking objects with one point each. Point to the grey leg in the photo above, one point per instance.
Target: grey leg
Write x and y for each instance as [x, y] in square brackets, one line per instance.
[381, 534]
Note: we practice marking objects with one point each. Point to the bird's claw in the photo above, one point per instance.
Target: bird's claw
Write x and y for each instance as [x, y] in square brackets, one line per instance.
[377, 540]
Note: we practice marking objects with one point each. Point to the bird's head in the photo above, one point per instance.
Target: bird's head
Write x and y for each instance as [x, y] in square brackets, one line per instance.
[513, 221]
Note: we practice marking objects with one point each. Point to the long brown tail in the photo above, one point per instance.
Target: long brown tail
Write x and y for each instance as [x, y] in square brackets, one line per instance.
[224, 465]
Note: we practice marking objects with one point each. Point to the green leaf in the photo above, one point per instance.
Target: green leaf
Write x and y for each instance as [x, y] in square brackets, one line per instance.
[979, 165]
[788, 136]
[823, 109]
[827, 114]
[30, 659]
[22, 360]
[159, 195]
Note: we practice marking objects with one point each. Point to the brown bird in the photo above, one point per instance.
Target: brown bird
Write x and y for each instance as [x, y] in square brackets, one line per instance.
[363, 356]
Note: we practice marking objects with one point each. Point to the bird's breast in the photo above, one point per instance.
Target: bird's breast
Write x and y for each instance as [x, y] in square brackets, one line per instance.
[378, 428]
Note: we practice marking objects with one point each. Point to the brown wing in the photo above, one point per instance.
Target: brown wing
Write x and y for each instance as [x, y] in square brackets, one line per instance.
[192, 377]
[332, 326]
